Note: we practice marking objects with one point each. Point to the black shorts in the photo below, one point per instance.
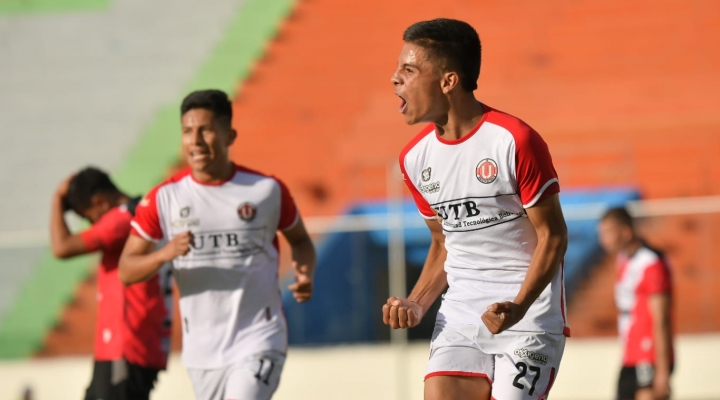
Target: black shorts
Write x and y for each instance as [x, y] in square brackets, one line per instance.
[121, 380]
[634, 378]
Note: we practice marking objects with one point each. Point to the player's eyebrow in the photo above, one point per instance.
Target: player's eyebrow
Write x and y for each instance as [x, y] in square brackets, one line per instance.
[410, 65]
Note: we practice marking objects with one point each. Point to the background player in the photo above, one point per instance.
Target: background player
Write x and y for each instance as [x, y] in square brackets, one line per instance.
[133, 324]
[485, 182]
[221, 222]
[643, 298]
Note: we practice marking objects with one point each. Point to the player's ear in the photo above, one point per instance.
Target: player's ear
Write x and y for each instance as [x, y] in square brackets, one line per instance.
[449, 81]
[232, 134]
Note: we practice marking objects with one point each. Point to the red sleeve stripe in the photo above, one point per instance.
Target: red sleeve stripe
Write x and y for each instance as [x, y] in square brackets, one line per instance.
[140, 232]
[422, 205]
[540, 193]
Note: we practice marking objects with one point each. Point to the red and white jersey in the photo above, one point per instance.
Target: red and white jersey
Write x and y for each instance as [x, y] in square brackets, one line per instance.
[479, 187]
[230, 300]
[644, 274]
[132, 322]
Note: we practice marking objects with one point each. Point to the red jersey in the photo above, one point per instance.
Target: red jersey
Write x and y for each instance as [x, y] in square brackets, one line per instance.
[644, 274]
[132, 322]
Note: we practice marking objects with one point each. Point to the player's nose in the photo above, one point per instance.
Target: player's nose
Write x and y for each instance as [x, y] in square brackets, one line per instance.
[395, 79]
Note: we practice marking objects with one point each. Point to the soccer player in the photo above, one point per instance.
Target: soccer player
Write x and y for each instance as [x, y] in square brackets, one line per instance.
[643, 298]
[220, 220]
[485, 182]
[132, 334]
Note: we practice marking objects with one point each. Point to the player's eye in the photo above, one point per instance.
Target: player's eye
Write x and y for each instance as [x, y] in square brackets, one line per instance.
[408, 70]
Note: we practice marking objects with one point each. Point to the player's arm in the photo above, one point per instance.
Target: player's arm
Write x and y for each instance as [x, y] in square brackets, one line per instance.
[407, 313]
[547, 219]
[303, 259]
[660, 313]
[140, 261]
[63, 243]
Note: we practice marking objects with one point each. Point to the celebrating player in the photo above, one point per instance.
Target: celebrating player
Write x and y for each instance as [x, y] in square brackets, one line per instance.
[485, 182]
[221, 221]
[132, 333]
[642, 294]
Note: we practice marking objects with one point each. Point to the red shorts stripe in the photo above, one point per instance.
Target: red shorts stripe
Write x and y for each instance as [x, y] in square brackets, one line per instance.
[457, 373]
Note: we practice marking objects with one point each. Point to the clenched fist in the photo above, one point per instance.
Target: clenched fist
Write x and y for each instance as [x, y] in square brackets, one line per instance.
[501, 316]
[303, 286]
[402, 313]
[178, 246]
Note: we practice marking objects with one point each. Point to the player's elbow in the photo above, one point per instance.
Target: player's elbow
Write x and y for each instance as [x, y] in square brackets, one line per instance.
[61, 252]
[125, 273]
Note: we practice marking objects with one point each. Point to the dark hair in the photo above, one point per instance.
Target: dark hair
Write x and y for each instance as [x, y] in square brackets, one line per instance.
[83, 186]
[619, 215]
[454, 43]
[214, 100]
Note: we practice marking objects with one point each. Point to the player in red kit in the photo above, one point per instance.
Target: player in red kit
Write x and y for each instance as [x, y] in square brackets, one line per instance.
[133, 324]
[643, 294]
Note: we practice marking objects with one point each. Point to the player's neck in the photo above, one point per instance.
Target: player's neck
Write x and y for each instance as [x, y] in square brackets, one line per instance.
[463, 116]
[218, 173]
[633, 247]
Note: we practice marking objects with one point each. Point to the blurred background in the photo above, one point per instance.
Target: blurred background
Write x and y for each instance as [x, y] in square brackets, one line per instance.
[625, 93]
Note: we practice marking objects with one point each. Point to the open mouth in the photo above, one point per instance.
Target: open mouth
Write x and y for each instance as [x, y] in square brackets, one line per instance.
[403, 105]
[198, 155]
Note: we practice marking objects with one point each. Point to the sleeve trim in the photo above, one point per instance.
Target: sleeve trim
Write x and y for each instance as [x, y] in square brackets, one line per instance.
[142, 233]
[295, 222]
[540, 193]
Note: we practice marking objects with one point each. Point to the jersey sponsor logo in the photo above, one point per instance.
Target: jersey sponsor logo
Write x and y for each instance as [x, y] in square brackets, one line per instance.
[468, 214]
[486, 171]
[426, 174]
[226, 244]
[433, 187]
[184, 221]
[247, 211]
[532, 355]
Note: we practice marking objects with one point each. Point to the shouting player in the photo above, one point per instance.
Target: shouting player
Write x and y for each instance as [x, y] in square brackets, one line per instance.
[220, 220]
[132, 333]
[485, 182]
[642, 294]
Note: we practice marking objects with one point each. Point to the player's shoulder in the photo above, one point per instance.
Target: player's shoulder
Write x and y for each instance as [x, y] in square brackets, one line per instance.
[423, 134]
[115, 216]
[521, 132]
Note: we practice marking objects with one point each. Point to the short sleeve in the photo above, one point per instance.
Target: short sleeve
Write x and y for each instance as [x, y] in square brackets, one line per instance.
[146, 223]
[656, 279]
[535, 174]
[422, 205]
[288, 210]
[109, 233]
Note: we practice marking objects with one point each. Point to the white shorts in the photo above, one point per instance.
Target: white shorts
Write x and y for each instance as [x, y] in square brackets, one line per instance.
[518, 365]
[255, 379]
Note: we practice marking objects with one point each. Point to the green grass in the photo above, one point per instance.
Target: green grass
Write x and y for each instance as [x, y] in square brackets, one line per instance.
[50, 6]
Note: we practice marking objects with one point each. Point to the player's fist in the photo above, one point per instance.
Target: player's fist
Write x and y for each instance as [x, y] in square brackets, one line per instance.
[62, 189]
[303, 286]
[178, 246]
[401, 313]
[501, 316]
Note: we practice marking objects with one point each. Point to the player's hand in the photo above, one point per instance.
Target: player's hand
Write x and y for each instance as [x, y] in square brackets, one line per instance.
[303, 286]
[178, 246]
[501, 316]
[62, 189]
[401, 313]
[661, 385]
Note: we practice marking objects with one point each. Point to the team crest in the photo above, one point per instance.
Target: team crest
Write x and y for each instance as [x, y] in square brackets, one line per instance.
[426, 174]
[247, 212]
[486, 171]
[185, 212]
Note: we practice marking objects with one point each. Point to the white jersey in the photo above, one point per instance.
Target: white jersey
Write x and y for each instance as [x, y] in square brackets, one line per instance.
[479, 187]
[230, 301]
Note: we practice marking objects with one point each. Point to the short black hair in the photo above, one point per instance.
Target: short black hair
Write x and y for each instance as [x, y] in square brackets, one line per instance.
[454, 43]
[84, 185]
[214, 100]
[619, 215]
